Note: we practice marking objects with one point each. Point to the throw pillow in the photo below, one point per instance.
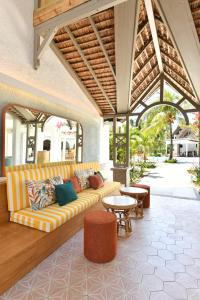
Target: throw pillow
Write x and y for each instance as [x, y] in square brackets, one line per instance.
[56, 180]
[96, 182]
[100, 174]
[41, 193]
[65, 193]
[74, 181]
[82, 176]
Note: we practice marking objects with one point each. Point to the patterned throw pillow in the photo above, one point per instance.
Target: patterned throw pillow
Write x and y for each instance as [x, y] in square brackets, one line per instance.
[41, 193]
[83, 176]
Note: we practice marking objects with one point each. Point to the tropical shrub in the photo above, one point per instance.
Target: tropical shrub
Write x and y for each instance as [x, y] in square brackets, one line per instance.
[171, 161]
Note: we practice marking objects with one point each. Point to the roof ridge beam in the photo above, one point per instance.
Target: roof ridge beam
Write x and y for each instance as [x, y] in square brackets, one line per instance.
[126, 21]
[152, 24]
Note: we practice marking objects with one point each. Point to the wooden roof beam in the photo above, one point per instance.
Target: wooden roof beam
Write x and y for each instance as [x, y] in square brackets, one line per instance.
[126, 20]
[102, 46]
[143, 48]
[78, 48]
[39, 48]
[146, 92]
[152, 24]
[145, 64]
[75, 14]
[175, 14]
[146, 76]
[179, 90]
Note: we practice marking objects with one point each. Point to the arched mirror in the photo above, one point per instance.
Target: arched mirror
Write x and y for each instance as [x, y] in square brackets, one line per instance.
[32, 136]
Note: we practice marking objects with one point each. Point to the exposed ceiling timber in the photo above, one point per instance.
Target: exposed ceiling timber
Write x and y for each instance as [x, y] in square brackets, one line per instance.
[77, 46]
[102, 46]
[126, 18]
[180, 91]
[152, 87]
[77, 13]
[150, 14]
[178, 17]
[69, 69]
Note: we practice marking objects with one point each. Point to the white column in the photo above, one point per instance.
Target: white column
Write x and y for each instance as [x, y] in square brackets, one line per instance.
[16, 150]
[186, 149]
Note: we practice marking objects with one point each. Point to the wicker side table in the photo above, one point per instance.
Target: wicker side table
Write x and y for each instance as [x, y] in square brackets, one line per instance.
[121, 206]
[136, 193]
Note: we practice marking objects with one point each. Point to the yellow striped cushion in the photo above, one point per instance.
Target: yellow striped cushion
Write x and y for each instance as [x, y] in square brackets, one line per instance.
[84, 166]
[16, 190]
[21, 167]
[53, 216]
[108, 188]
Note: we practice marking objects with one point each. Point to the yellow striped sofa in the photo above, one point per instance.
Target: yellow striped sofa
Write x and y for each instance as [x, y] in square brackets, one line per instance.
[51, 217]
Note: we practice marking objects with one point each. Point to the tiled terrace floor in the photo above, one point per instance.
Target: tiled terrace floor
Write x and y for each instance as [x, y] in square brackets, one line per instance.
[159, 261]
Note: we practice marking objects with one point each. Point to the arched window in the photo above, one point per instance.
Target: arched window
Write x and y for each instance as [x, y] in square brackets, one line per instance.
[47, 145]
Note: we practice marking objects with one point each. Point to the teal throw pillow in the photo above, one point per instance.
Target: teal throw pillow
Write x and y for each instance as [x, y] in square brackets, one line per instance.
[65, 193]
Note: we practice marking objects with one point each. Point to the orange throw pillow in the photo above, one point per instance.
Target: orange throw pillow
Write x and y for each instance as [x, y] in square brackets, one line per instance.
[96, 182]
[75, 183]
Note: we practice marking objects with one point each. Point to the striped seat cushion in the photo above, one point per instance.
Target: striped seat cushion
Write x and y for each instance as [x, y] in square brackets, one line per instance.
[53, 216]
[16, 190]
[107, 189]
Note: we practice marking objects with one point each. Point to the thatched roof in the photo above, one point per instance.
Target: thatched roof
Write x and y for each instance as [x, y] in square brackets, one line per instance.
[88, 46]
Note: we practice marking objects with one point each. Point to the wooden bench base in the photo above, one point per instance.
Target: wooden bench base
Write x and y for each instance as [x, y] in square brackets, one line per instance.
[22, 248]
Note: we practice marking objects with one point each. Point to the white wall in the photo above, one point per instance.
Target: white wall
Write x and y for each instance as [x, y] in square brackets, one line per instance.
[50, 88]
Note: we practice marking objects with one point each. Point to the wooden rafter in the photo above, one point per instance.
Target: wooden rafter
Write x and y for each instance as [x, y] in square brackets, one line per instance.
[180, 91]
[102, 46]
[152, 24]
[145, 65]
[145, 94]
[143, 49]
[78, 48]
[140, 83]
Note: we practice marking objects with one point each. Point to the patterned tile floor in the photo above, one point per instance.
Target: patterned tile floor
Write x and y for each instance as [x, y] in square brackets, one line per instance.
[159, 261]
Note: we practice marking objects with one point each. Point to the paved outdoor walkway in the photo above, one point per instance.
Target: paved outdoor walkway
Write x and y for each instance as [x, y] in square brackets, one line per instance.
[171, 180]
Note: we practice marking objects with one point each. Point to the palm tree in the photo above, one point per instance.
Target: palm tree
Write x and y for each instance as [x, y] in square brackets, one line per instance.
[140, 143]
[162, 119]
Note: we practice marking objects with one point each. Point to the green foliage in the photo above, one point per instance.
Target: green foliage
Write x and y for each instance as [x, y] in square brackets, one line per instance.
[146, 164]
[155, 128]
[136, 175]
[195, 171]
[171, 161]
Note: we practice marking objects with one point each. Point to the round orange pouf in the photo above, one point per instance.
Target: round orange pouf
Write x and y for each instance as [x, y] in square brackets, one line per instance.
[100, 236]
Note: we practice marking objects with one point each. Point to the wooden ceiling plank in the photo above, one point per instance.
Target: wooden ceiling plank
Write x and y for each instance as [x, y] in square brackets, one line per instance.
[152, 24]
[77, 13]
[89, 66]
